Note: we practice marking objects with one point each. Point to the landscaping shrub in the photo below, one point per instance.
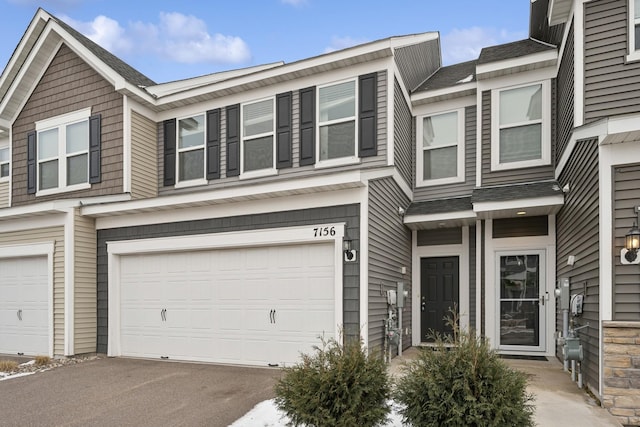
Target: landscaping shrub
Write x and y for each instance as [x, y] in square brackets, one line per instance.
[337, 385]
[42, 360]
[8, 366]
[462, 382]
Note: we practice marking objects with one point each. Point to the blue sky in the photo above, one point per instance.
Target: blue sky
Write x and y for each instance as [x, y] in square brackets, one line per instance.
[171, 40]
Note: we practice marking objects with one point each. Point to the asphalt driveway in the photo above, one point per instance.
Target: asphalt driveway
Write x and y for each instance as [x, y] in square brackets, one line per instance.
[130, 392]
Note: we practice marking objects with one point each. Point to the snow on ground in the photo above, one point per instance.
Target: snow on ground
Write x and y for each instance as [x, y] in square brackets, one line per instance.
[5, 376]
[265, 414]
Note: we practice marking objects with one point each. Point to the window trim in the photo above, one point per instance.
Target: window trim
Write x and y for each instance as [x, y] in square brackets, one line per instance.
[545, 121]
[8, 148]
[61, 122]
[196, 181]
[340, 161]
[460, 176]
[633, 54]
[266, 171]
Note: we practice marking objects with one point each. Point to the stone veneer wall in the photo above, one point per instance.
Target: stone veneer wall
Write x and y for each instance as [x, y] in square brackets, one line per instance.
[621, 393]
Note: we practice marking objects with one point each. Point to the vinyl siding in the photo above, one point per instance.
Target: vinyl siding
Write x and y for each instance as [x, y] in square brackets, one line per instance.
[70, 84]
[4, 194]
[458, 189]
[565, 98]
[144, 166]
[416, 63]
[472, 280]
[510, 176]
[626, 287]
[389, 250]
[85, 323]
[611, 86]
[402, 134]
[47, 235]
[577, 234]
[295, 172]
[349, 214]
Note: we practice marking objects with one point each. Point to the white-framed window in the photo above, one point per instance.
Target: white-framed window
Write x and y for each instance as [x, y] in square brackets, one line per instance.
[440, 148]
[634, 31]
[337, 122]
[191, 149]
[258, 137]
[63, 152]
[520, 126]
[5, 163]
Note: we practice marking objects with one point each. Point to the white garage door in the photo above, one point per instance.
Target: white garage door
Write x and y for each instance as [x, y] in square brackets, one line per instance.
[252, 306]
[24, 323]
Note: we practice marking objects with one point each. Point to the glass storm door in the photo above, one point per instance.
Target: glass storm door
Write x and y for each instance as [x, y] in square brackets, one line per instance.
[521, 305]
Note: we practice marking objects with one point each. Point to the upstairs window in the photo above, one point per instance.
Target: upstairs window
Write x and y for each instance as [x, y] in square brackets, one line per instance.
[520, 127]
[258, 124]
[337, 121]
[440, 157]
[191, 148]
[64, 153]
[5, 163]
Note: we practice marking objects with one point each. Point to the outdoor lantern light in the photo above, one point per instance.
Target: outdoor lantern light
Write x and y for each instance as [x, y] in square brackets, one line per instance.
[349, 253]
[631, 243]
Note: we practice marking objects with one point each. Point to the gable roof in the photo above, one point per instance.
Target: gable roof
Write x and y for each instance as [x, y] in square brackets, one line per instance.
[513, 50]
[450, 76]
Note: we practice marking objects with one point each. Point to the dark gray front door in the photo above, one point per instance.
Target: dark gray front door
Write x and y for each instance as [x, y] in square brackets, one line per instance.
[439, 289]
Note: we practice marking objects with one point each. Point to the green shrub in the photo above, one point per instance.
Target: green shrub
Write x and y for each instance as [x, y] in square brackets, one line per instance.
[462, 382]
[337, 385]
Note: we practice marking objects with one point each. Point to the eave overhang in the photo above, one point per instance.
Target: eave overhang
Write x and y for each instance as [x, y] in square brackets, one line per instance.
[534, 61]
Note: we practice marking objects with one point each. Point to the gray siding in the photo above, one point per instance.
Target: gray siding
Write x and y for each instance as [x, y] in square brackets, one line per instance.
[510, 176]
[577, 234]
[70, 84]
[626, 286]
[402, 134]
[458, 189]
[389, 250]
[418, 62]
[295, 172]
[349, 214]
[543, 31]
[612, 87]
[439, 236]
[144, 163]
[565, 96]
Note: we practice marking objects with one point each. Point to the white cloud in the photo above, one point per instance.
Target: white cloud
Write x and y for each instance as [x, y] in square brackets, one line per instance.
[338, 43]
[181, 38]
[465, 44]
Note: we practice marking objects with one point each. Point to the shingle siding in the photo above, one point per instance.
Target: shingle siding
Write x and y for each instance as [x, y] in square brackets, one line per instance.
[69, 84]
[626, 304]
[389, 250]
[611, 85]
[349, 214]
[577, 234]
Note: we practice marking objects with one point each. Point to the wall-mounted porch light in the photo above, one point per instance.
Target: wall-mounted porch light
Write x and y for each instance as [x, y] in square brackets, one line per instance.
[350, 254]
[629, 254]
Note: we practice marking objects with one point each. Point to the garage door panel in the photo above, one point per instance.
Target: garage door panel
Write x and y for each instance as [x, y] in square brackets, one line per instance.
[220, 303]
[24, 305]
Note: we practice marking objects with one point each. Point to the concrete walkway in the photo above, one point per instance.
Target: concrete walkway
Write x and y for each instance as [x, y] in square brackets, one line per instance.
[558, 400]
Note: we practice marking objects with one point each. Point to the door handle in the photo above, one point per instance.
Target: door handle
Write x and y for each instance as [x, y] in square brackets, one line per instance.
[274, 316]
[271, 318]
[544, 297]
[163, 314]
[19, 313]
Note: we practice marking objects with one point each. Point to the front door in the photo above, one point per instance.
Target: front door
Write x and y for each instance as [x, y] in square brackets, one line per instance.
[439, 289]
[521, 305]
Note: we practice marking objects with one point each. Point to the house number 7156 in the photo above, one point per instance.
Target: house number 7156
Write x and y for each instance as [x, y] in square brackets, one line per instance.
[324, 231]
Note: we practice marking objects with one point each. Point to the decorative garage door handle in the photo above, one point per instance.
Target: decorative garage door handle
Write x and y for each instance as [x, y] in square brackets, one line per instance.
[272, 316]
[163, 314]
[19, 314]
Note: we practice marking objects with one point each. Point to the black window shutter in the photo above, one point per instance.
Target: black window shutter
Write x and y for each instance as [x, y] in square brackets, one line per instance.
[169, 152]
[308, 126]
[213, 144]
[283, 130]
[95, 142]
[32, 163]
[367, 139]
[233, 140]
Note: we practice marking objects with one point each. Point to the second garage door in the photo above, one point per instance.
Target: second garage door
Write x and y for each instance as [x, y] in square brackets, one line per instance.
[251, 306]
